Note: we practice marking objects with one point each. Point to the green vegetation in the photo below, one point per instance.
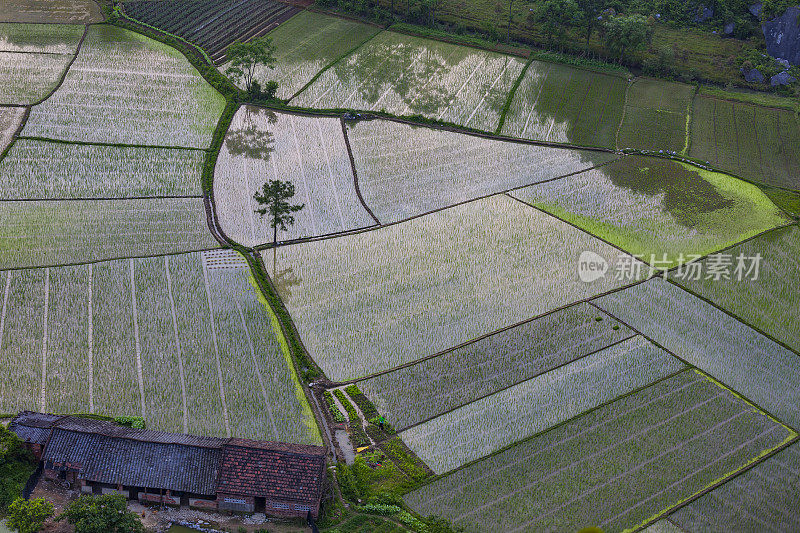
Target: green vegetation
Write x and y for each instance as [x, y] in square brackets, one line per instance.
[333, 409]
[101, 514]
[363, 403]
[656, 116]
[16, 466]
[357, 434]
[29, 516]
[245, 58]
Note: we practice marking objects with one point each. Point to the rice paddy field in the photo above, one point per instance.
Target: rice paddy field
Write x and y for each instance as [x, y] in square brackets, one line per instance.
[183, 341]
[309, 152]
[10, 121]
[29, 78]
[127, 89]
[767, 302]
[663, 211]
[764, 498]
[40, 38]
[306, 44]
[62, 232]
[565, 104]
[407, 75]
[755, 142]
[54, 170]
[617, 467]
[656, 116]
[368, 302]
[702, 335]
[523, 410]
[404, 171]
[424, 390]
[51, 11]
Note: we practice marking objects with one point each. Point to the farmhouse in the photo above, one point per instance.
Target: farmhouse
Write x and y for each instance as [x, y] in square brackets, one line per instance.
[174, 469]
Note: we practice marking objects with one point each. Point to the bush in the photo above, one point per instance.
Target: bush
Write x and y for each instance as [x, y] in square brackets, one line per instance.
[101, 514]
[333, 409]
[362, 402]
[28, 516]
[16, 466]
[135, 422]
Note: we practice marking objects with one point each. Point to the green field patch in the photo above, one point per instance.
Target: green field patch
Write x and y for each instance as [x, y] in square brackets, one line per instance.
[617, 467]
[768, 492]
[656, 116]
[41, 169]
[404, 171]
[178, 340]
[46, 233]
[307, 43]
[699, 333]
[757, 143]
[407, 75]
[310, 152]
[658, 209]
[27, 78]
[767, 302]
[368, 302]
[560, 103]
[128, 89]
[45, 38]
[482, 427]
[415, 393]
[51, 11]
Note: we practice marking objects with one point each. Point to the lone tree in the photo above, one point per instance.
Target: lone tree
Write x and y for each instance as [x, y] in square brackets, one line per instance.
[275, 198]
[246, 57]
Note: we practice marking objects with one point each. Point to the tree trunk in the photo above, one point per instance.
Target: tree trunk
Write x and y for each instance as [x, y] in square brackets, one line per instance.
[274, 249]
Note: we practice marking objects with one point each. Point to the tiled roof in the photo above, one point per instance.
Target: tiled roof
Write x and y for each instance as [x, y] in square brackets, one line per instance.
[109, 459]
[33, 427]
[272, 470]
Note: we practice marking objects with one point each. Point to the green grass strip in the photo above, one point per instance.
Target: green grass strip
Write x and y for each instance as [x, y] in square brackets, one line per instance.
[332, 63]
[510, 98]
[689, 118]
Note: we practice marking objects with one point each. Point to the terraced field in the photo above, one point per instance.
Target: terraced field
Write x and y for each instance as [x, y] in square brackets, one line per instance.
[51, 11]
[565, 104]
[757, 143]
[10, 121]
[405, 171]
[656, 116]
[179, 340]
[308, 152]
[616, 467]
[408, 75]
[662, 211]
[164, 101]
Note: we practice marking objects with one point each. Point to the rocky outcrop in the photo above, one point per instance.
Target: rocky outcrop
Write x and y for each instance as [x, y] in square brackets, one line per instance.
[704, 13]
[729, 27]
[753, 75]
[781, 78]
[755, 9]
[783, 36]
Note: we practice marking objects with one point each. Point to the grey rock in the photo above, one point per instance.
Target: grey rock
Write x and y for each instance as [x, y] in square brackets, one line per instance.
[755, 9]
[753, 75]
[784, 63]
[781, 78]
[729, 27]
[783, 36]
[704, 13]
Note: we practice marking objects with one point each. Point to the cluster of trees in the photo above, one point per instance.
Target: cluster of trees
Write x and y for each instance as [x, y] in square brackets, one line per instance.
[88, 514]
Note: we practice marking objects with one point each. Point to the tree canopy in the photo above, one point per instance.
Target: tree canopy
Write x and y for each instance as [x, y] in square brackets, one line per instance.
[626, 33]
[101, 514]
[28, 516]
[275, 196]
[244, 58]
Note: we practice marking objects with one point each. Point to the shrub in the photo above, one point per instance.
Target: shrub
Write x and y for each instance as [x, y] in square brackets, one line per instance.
[362, 402]
[16, 466]
[135, 422]
[28, 516]
[333, 409]
[101, 514]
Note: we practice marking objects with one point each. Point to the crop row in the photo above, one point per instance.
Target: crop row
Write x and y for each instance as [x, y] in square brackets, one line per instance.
[460, 436]
[616, 467]
[174, 339]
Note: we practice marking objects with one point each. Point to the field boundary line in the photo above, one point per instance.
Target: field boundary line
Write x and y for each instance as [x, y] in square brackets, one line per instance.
[579, 229]
[331, 177]
[631, 81]
[364, 229]
[733, 315]
[178, 349]
[694, 367]
[489, 90]
[335, 384]
[555, 426]
[216, 349]
[512, 92]
[332, 63]
[45, 339]
[138, 345]
[783, 145]
[66, 69]
[102, 199]
[68, 54]
[506, 387]
[95, 261]
[355, 172]
[17, 132]
[6, 290]
[109, 145]
[258, 371]
[687, 142]
[90, 312]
